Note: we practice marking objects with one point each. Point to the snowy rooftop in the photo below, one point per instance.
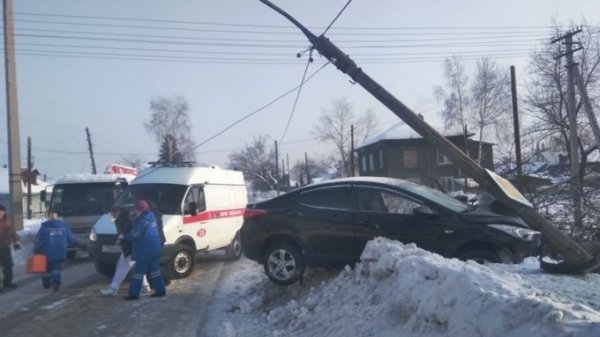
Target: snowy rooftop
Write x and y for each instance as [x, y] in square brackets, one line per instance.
[4, 183]
[402, 130]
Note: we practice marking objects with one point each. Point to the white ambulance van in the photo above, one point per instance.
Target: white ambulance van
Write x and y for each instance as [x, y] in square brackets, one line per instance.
[202, 210]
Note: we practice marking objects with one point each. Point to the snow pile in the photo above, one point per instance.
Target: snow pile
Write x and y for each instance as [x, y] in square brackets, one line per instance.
[402, 290]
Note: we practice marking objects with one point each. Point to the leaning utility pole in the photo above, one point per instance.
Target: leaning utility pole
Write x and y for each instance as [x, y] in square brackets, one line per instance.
[513, 87]
[12, 113]
[501, 189]
[89, 140]
[576, 186]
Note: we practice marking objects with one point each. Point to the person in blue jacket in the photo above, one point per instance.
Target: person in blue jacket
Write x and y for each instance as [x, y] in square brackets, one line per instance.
[52, 240]
[146, 248]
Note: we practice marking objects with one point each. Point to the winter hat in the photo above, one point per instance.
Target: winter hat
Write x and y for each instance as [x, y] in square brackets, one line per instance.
[142, 206]
[2, 208]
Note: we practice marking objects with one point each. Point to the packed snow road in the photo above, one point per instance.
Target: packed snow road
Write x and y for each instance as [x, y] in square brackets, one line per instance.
[78, 309]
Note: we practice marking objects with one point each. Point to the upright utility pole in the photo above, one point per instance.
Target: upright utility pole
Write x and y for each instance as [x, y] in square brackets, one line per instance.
[12, 120]
[352, 150]
[513, 87]
[28, 182]
[576, 186]
[276, 169]
[89, 140]
[306, 167]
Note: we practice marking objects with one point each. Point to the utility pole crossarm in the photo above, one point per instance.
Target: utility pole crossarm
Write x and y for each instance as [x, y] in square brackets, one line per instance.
[572, 253]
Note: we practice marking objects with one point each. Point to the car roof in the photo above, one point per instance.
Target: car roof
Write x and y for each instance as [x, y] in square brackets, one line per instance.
[432, 197]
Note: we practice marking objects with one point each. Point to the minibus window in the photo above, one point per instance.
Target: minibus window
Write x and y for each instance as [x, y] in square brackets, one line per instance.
[194, 201]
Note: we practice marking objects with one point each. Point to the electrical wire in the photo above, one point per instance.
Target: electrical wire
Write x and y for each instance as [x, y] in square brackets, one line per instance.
[336, 17]
[259, 109]
[308, 62]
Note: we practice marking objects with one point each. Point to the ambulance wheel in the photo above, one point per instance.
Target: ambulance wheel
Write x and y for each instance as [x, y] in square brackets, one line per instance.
[181, 262]
[234, 250]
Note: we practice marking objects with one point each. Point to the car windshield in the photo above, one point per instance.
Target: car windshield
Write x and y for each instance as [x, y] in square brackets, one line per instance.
[83, 199]
[435, 196]
[167, 197]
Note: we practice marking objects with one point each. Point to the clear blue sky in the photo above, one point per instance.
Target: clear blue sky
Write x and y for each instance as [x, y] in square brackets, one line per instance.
[97, 64]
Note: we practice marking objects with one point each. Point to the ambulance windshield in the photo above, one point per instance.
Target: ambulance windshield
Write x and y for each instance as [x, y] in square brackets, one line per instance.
[167, 197]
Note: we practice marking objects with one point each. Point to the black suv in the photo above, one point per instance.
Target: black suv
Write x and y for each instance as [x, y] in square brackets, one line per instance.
[328, 225]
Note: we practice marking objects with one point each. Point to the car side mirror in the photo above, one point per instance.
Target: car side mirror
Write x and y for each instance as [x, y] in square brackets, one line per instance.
[425, 211]
[43, 196]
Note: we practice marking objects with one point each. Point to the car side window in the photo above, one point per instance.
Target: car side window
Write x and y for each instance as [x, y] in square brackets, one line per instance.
[331, 197]
[399, 204]
[370, 200]
[382, 201]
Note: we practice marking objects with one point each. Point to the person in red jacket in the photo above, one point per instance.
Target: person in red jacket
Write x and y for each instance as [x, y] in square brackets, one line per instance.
[8, 236]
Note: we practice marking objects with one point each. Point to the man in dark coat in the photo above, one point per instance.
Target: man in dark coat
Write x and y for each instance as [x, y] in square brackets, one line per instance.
[52, 240]
[8, 236]
[146, 249]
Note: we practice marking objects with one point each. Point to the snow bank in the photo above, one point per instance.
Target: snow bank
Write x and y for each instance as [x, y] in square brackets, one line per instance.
[401, 290]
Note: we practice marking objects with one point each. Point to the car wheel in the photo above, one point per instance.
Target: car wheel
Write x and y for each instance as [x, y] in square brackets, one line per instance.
[106, 269]
[283, 263]
[234, 250]
[181, 262]
[480, 256]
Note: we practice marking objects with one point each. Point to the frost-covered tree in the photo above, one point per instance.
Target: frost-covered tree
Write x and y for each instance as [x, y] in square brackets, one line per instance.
[334, 127]
[170, 116]
[257, 162]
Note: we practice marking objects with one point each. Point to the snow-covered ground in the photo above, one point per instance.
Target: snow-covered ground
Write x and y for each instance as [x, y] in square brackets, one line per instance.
[399, 290]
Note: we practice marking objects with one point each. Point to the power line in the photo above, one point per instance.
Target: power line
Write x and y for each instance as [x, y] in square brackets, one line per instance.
[308, 62]
[336, 17]
[212, 23]
[473, 37]
[259, 109]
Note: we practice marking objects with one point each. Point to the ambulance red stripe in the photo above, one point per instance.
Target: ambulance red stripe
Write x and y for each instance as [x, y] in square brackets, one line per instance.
[209, 215]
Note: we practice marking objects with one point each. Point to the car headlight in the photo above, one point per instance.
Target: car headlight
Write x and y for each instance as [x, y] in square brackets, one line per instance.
[521, 233]
[93, 235]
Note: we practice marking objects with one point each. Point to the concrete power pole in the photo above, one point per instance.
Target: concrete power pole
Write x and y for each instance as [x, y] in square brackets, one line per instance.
[576, 186]
[89, 140]
[12, 112]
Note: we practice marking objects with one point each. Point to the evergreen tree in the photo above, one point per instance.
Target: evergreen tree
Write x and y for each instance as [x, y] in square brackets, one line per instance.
[169, 153]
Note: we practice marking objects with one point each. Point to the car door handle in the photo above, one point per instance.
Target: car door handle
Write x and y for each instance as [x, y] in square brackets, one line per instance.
[294, 214]
[448, 231]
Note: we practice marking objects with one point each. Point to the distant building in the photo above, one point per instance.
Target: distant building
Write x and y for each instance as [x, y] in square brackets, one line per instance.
[37, 206]
[400, 152]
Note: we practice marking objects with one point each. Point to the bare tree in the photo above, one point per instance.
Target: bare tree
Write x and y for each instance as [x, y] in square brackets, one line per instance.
[170, 116]
[490, 101]
[546, 101]
[133, 161]
[335, 127]
[455, 95]
[257, 162]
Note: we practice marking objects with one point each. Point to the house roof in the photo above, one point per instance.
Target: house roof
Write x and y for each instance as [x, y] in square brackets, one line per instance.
[401, 130]
[4, 183]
